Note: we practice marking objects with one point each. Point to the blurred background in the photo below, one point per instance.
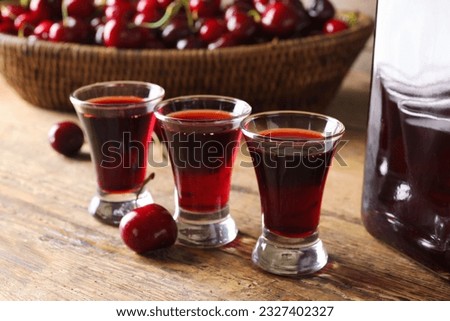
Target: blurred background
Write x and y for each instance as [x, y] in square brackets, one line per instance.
[352, 102]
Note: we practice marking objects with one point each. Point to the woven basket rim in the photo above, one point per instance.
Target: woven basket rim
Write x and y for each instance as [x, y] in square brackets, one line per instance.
[364, 24]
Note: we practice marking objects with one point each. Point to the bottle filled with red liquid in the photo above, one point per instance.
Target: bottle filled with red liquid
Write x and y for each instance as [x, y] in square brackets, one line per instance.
[406, 197]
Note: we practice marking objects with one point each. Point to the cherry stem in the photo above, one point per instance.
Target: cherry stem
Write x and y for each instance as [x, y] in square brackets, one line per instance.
[148, 179]
[65, 13]
[255, 15]
[189, 15]
[21, 32]
[24, 3]
[171, 10]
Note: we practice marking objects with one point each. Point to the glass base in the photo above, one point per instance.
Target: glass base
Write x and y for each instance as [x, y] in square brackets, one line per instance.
[289, 256]
[205, 230]
[110, 208]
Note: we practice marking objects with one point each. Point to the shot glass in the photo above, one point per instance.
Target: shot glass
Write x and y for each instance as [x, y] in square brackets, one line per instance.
[291, 153]
[202, 137]
[118, 120]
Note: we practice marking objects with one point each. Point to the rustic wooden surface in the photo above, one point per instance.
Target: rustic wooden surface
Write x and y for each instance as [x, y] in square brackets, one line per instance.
[51, 249]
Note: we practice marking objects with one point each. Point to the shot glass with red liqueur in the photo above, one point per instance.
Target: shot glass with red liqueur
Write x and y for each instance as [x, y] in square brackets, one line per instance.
[291, 153]
[118, 120]
[202, 136]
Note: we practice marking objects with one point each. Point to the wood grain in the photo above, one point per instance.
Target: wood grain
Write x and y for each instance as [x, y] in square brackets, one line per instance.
[51, 249]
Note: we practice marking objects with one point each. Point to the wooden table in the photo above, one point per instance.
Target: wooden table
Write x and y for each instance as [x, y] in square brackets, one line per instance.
[51, 249]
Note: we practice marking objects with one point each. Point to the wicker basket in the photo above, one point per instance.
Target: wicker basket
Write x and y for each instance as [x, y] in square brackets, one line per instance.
[300, 73]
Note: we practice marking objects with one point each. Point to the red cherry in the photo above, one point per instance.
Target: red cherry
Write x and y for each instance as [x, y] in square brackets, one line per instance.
[320, 12]
[177, 29]
[261, 5]
[151, 40]
[70, 30]
[241, 25]
[204, 8]
[42, 30]
[118, 34]
[227, 40]
[80, 8]
[66, 138]
[334, 25]
[56, 9]
[7, 26]
[237, 7]
[123, 10]
[98, 37]
[25, 22]
[11, 11]
[191, 42]
[279, 19]
[148, 228]
[146, 5]
[212, 29]
[42, 9]
[163, 4]
[96, 22]
[147, 16]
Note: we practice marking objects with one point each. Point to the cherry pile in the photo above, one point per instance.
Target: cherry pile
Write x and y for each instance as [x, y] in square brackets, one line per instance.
[162, 24]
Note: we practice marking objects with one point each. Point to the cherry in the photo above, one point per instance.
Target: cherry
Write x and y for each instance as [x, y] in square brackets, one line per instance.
[7, 26]
[297, 4]
[80, 8]
[148, 228]
[25, 22]
[41, 9]
[334, 25]
[279, 19]
[147, 16]
[146, 5]
[98, 36]
[96, 22]
[163, 4]
[55, 9]
[241, 25]
[70, 30]
[151, 40]
[11, 11]
[204, 8]
[66, 138]
[237, 7]
[227, 40]
[123, 10]
[261, 5]
[118, 34]
[175, 30]
[320, 12]
[191, 42]
[42, 30]
[212, 29]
